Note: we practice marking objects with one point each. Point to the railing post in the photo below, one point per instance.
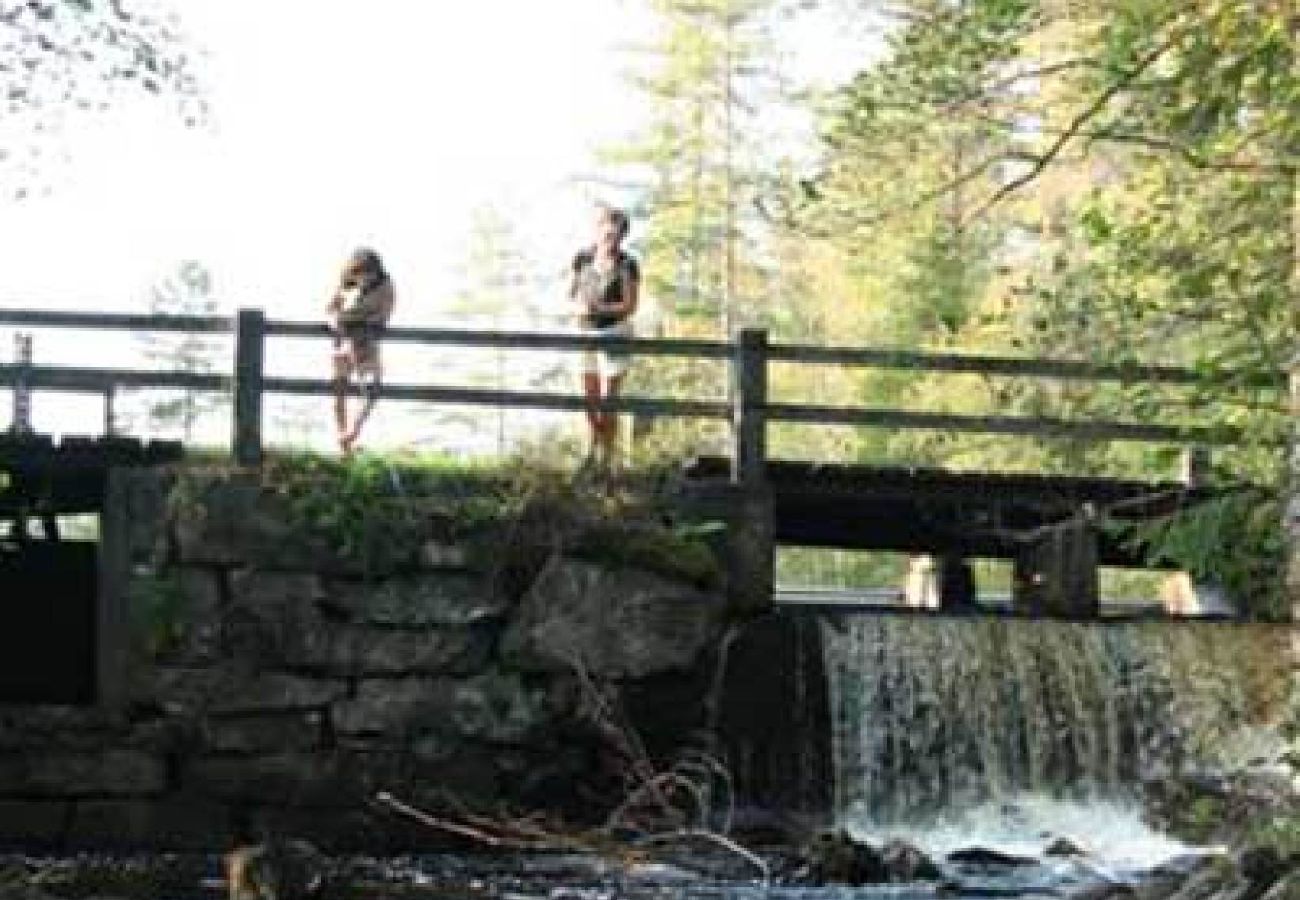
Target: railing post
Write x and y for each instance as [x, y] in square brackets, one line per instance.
[21, 420]
[749, 398]
[250, 355]
[110, 413]
[751, 551]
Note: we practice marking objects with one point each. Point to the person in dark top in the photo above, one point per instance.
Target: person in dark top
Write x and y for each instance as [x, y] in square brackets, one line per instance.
[359, 309]
[605, 284]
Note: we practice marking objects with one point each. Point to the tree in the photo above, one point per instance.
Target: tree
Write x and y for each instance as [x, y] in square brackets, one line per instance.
[706, 79]
[188, 291]
[1131, 168]
[62, 58]
[498, 277]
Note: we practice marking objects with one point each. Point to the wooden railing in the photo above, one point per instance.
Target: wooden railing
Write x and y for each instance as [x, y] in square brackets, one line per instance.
[749, 406]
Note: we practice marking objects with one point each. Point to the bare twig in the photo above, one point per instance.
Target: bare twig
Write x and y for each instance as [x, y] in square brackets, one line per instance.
[550, 843]
[726, 843]
[660, 788]
[1086, 115]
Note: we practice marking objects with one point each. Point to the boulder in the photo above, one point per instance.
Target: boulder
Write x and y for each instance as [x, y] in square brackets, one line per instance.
[233, 689]
[1061, 846]
[612, 623]
[441, 599]
[835, 857]
[986, 858]
[113, 772]
[907, 862]
[493, 706]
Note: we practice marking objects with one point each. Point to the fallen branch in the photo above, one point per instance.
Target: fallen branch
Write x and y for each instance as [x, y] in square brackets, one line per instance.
[660, 787]
[549, 844]
[726, 843]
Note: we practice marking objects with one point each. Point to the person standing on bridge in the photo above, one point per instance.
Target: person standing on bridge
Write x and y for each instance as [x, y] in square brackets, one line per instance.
[604, 285]
[359, 310]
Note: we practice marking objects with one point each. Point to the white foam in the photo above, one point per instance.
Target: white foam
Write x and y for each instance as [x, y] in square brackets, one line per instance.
[1111, 833]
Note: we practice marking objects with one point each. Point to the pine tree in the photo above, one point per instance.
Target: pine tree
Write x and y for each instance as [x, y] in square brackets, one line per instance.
[187, 291]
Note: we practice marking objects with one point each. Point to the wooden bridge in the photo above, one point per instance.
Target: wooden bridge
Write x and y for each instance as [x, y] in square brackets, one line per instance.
[1044, 523]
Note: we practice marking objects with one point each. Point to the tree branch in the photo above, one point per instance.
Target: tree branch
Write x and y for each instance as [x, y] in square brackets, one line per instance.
[1072, 130]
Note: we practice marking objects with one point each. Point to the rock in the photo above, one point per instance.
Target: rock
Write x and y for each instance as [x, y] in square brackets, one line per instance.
[33, 823]
[1287, 888]
[393, 705]
[907, 862]
[236, 690]
[1063, 847]
[835, 857]
[1102, 890]
[232, 519]
[614, 623]
[266, 732]
[360, 652]
[437, 555]
[493, 706]
[275, 870]
[447, 599]
[983, 857]
[172, 823]
[113, 772]
[276, 779]
[143, 493]
[1262, 864]
[277, 621]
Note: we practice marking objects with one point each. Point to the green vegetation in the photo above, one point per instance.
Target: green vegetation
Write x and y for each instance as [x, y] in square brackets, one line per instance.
[1111, 181]
[378, 511]
[158, 609]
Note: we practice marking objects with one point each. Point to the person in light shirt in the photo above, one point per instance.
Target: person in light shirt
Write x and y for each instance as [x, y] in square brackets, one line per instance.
[605, 285]
[359, 310]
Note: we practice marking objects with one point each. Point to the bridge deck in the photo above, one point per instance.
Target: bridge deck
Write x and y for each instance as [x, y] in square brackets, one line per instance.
[918, 510]
[41, 476]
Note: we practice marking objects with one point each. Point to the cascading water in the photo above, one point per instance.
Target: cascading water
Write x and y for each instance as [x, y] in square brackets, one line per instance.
[934, 718]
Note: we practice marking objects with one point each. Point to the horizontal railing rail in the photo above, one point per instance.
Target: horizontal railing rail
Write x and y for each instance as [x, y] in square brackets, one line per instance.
[749, 359]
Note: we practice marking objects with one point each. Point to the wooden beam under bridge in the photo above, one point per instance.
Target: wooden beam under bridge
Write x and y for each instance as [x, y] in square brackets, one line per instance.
[1048, 525]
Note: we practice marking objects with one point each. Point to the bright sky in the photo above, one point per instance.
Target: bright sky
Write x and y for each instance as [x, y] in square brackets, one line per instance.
[333, 127]
[335, 124]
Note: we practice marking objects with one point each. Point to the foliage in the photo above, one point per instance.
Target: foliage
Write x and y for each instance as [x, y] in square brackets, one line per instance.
[63, 58]
[1111, 181]
[158, 609]
[361, 506]
[1234, 540]
[1279, 832]
[377, 512]
[186, 292]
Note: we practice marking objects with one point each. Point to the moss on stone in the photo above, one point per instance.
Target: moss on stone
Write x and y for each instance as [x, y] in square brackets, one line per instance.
[376, 513]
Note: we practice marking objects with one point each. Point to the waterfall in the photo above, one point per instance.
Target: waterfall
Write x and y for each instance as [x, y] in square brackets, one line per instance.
[932, 716]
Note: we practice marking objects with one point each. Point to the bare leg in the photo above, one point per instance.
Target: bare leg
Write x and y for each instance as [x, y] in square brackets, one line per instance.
[341, 410]
[609, 423]
[595, 420]
[371, 391]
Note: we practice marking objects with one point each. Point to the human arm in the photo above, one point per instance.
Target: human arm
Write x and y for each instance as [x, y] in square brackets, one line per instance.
[380, 302]
[629, 292]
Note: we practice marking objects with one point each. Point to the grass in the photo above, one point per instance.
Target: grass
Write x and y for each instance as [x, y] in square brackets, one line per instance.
[377, 510]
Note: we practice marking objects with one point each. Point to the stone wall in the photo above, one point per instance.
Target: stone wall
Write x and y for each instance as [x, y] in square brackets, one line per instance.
[267, 679]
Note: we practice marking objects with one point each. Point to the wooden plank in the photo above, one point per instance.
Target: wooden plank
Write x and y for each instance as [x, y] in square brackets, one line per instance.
[79, 379]
[881, 358]
[521, 340]
[1024, 426]
[250, 353]
[702, 409]
[48, 318]
[749, 399]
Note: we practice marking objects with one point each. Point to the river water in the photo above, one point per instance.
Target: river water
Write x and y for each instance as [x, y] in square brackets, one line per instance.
[981, 742]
